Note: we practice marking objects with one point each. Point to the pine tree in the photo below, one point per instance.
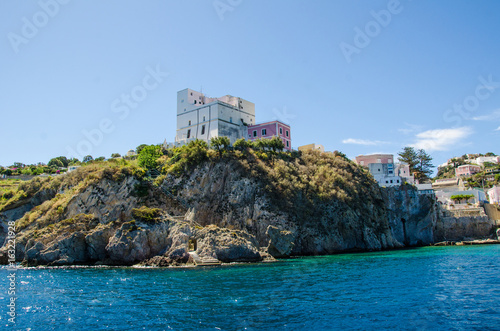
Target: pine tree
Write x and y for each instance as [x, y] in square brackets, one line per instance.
[419, 161]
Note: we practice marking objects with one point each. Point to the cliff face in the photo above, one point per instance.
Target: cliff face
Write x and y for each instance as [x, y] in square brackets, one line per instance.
[224, 211]
[412, 217]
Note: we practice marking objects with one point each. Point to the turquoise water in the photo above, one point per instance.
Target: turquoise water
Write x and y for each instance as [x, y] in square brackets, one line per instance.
[443, 288]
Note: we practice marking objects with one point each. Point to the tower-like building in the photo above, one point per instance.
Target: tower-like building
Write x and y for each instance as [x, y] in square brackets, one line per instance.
[202, 117]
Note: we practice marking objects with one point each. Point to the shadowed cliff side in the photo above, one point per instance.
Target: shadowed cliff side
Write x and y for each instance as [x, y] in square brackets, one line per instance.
[243, 206]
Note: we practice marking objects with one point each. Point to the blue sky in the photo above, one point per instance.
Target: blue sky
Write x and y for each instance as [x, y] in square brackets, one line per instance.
[356, 76]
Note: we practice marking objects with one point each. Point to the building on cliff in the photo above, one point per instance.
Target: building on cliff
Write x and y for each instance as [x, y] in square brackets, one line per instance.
[202, 117]
[312, 147]
[385, 171]
[269, 130]
[467, 170]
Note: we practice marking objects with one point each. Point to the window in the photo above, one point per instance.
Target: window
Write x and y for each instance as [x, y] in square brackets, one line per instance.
[281, 130]
[189, 123]
[255, 133]
[287, 143]
[195, 102]
[398, 181]
[362, 162]
[191, 93]
[391, 181]
[263, 132]
[286, 133]
[387, 182]
[189, 133]
[203, 129]
[230, 119]
[203, 118]
[379, 161]
[184, 109]
[182, 101]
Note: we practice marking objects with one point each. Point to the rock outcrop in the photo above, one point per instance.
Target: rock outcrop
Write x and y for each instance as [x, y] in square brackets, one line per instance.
[229, 215]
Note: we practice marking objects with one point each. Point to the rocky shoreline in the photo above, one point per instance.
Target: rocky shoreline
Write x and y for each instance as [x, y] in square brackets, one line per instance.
[219, 212]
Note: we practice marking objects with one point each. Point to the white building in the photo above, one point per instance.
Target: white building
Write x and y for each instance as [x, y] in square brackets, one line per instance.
[424, 188]
[445, 197]
[384, 174]
[73, 168]
[492, 159]
[201, 117]
[494, 194]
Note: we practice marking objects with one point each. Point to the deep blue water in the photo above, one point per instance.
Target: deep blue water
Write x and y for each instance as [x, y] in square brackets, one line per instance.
[438, 288]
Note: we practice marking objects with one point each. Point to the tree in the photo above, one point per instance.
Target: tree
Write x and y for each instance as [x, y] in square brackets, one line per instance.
[100, 158]
[424, 165]
[420, 162]
[60, 161]
[115, 155]
[276, 144]
[489, 154]
[220, 144]
[241, 144]
[55, 162]
[139, 148]
[87, 158]
[148, 157]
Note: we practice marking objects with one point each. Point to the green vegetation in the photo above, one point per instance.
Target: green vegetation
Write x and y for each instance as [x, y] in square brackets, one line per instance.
[419, 161]
[461, 197]
[148, 157]
[146, 214]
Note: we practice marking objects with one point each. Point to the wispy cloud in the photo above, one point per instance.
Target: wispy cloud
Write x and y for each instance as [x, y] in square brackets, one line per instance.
[410, 128]
[441, 139]
[490, 117]
[364, 142]
[497, 129]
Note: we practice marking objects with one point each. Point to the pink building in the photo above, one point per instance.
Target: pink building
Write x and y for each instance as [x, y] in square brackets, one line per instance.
[270, 129]
[467, 170]
[365, 160]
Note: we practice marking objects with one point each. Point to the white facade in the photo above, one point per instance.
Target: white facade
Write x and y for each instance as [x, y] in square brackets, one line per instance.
[444, 197]
[494, 194]
[72, 168]
[424, 188]
[384, 174]
[201, 117]
[492, 159]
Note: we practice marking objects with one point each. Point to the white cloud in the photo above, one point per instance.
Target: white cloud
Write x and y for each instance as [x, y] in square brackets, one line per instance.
[490, 117]
[364, 142]
[410, 128]
[441, 139]
[497, 129]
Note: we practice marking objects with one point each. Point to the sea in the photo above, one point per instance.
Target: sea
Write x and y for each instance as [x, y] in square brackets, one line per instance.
[428, 288]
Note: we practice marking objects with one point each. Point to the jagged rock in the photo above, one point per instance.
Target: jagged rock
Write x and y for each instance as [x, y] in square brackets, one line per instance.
[498, 234]
[227, 245]
[280, 242]
[128, 245]
[108, 200]
[157, 261]
[97, 240]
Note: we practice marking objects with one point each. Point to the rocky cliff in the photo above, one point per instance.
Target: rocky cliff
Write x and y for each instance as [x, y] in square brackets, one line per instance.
[232, 209]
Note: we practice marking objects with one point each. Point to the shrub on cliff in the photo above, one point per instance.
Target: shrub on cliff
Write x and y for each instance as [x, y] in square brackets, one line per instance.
[148, 157]
[146, 214]
[186, 157]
